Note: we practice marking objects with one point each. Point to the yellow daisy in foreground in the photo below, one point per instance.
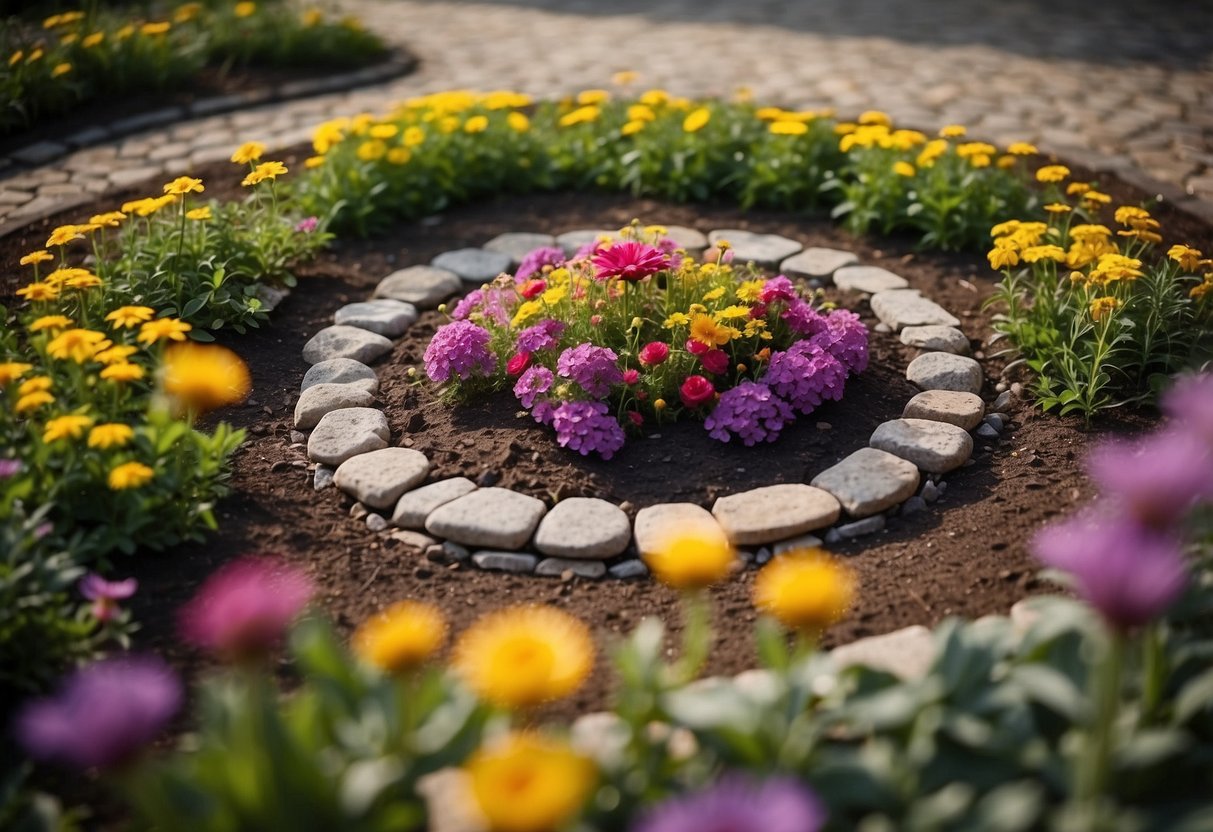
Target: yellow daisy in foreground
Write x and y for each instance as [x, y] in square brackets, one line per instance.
[129, 475]
[33, 401]
[527, 783]
[110, 435]
[248, 152]
[162, 329]
[806, 590]
[66, 427]
[200, 377]
[10, 371]
[402, 637]
[184, 185]
[122, 371]
[520, 657]
[36, 257]
[129, 317]
[35, 384]
[78, 345]
[692, 557]
[51, 322]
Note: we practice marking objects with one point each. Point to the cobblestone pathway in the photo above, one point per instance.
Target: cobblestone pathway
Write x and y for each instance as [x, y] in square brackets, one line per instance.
[1112, 83]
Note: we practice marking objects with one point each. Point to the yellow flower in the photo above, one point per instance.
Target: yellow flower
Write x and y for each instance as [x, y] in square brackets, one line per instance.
[805, 589]
[953, 131]
[903, 169]
[1077, 188]
[1089, 232]
[63, 235]
[248, 152]
[155, 28]
[39, 292]
[244, 9]
[526, 783]
[625, 78]
[110, 219]
[1052, 173]
[66, 427]
[476, 124]
[1103, 307]
[932, 151]
[51, 322]
[115, 354]
[715, 294]
[36, 257]
[264, 171]
[692, 557]
[696, 120]
[129, 475]
[654, 98]
[750, 291]
[659, 405]
[676, 319]
[16, 57]
[187, 12]
[34, 56]
[582, 115]
[707, 331]
[1021, 149]
[525, 312]
[633, 127]
[61, 69]
[788, 128]
[10, 371]
[369, 151]
[120, 372]
[312, 162]
[1058, 208]
[36, 384]
[81, 279]
[384, 131]
[399, 156]
[413, 136]
[518, 122]
[184, 185]
[402, 637]
[587, 97]
[1201, 289]
[199, 214]
[1002, 257]
[1187, 257]
[200, 377]
[79, 345]
[1096, 198]
[970, 149]
[110, 435]
[875, 117]
[163, 328]
[32, 401]
[1033, 254]
[519, 657]
[735, 312]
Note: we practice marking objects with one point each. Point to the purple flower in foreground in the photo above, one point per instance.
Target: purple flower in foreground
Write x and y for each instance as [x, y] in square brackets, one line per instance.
[467, 305]
[459, 349]
[803, 319]
[307, 225]
[536, 381]
[1190, 402]
[9, 468]
[804, 375]
[750, 411]
[536, 259]
[1156, 479]
[1129, 573]
[542, 336]
[244, 609]
[738, 804]
[592, 367]
[587, 427]
[778, 288]
[105, 595]
[102, 714]
[846, 338]
[543, 412]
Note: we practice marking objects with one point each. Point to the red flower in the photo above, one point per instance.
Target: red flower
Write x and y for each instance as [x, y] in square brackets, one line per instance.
[653, 353]
[696, 390]
[518, 363]
[715, 361]
[696, 347]
[636, 418]
[532, 288]
[630, 261]
[630, 377]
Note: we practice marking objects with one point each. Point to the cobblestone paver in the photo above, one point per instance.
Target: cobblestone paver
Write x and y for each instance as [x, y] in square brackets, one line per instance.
[1113, 84]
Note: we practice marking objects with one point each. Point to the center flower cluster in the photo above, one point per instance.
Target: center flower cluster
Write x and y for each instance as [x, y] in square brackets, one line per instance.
[634, 331]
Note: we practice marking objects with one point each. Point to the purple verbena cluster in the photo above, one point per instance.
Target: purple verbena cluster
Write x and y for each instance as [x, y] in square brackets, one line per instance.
[846, 338]
[803, 319]
[459, 349]
[536, 259]
[750, 411]
[544, 335]
[533, 383]
[587, 427]
[595, 369]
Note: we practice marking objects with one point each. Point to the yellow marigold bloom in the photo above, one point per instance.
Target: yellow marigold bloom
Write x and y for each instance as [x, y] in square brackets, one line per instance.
[413, 136]
[16, 57]
[971, 149]
[402, 637]
[554, 295]
[110, 435]
[1201, 289]
[72, 426]
[676, 319]
[520, 657]
[312, 162]
[184, 185]
[1187, 257]
[201, 377]
[1077, 188]
[1141, 234]
[199, 214]
[582, 115]
[1127, 214]
[32, 401]
[1021, 149]
[706, 330]
[187, 12]
[10, 371]
[696, 120]
[1052, 173]
[35, 384]
[659, 405]
[932, 151]
[692, 557]
[248, 152]
[83, 280]
[654, 97]
[163, 329]
[61, 69]
[1005, 162]
[788, 128]
[526, 783]
[641, 112]
[525, 312]
[750, 291]
[1096, 198]
[148, 205]
[476, 124]
[518, 122]
[1089, 232]
[1103, 307]
[268, 170]
[875, 117]
[125, 32]
[587, 97]
[625, 77]
[1058, 208]
[399, 156]
[110, 219]
[63, 235]
[1033, 254]
[36, 257]
[77, 345]
[120, 372]
[129, 317]
[35, 56]
[244, 9]
[633, 127]
[151, 29]
[953, 131]
[51, 322]
[735, 312]
[806, 590]
[92, 40]
[1002, 257]
[384, 131]
[715, 294]
[903, 169]
[979, 160]
[769, 113]
[114, 354]
[129, 475]
[368, 151]
[39, 292]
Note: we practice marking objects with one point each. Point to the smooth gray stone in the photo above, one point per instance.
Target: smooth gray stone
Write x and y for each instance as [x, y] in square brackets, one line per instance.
[385, 316]
[937, 338]
[319, 399]
[802, 541]
[912, 506]
[416, 505]
[376, 522]
[869, 279]
[768, 250]
[816, 262]
[555, 567]
[583, 527]
[655, 524]
[629, 569]
[413, 540]
[869, 481]
[379, 478]
[868, 525]
[495, 517]
[570, 241]
[998, 421]
[907, 653]
[690, 240]
[505, 561]
[774, 512]
[930, 492]
[322, 477]
[473, 265]
[518, 244]
[423, 286]
[961, 409]
[935, 447]
[340, 371]
[899, 308]
[344, 433]
[1003, 401]
[945, 371]
[987, 432]
[345, 342]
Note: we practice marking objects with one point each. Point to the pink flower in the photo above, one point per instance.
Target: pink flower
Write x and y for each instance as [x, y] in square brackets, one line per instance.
[630, 261]
[695, 391]
[653, 353]
[636, 418]
[595, 320]
[696, 347]
[243, 610]
[308, 225]
[518, 362]
[778, 288]
[105, 595]
[715, 361]
[532, 288]
[630, 377]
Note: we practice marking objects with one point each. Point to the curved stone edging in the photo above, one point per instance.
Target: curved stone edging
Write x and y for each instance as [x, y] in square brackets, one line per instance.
[453, 520]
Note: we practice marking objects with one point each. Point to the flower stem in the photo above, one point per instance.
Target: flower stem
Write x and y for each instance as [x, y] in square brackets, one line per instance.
[1094, 763]
[696, 635]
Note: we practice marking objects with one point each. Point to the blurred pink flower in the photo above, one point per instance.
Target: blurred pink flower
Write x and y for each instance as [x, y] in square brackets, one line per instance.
[1190, 403]
[105, 595]
[1158, 478]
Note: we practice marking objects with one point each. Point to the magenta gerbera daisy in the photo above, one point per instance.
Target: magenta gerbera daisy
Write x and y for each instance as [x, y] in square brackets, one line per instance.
[630, 261]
